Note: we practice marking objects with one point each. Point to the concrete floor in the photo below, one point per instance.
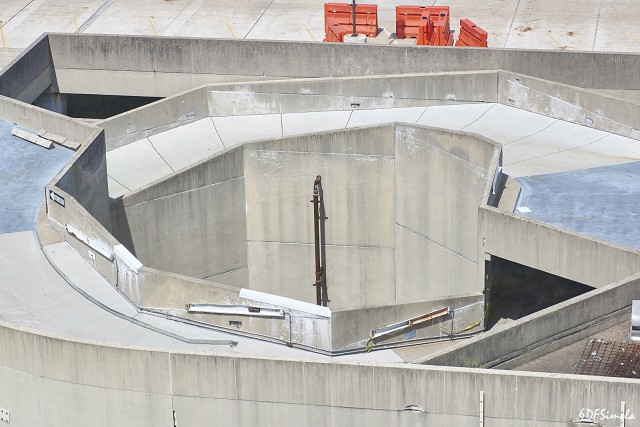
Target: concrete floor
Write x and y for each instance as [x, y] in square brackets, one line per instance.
[25, 169]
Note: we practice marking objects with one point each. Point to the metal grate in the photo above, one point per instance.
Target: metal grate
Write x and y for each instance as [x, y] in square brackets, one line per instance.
[610, 359]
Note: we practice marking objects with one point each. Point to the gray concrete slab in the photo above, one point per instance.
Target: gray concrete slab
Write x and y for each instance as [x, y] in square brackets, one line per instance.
[234, 130]
[300, 123]
[600, 202]
[187, 144]
[25, 169]
[507, 124]
[136, 165]
[390, 115]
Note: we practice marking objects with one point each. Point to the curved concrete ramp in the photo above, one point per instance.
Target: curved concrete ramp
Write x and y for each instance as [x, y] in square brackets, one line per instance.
[533, 144]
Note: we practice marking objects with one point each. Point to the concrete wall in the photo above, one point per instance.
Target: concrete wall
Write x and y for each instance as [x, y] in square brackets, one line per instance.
[471, 86]
[246, 59]
[575, 257]
[357, 170]
[570, 103]
[29, 74]
[155, 118]
[41, 375]
[545, 331]
[85, 178]
[441, 178]
[192, 224]
[352, 327]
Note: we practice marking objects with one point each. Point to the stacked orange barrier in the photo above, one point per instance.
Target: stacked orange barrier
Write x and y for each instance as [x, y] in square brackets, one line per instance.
[408, 21]
[471, 35]
[428, 24]
[338, 20]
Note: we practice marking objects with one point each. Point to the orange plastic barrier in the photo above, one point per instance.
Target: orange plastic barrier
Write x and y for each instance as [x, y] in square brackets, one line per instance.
[408, 21]
[471, 35]
[428, 24]
[335, 32]
[442, 35]
[340, 15]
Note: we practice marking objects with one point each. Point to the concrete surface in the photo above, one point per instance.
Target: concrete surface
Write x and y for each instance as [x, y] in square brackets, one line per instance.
[25, 169]
[595, 25]
[107, 376]
[599, 202]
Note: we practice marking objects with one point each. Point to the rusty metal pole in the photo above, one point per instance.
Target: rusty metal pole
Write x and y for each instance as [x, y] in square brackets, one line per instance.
[353, 17]
[316, 232]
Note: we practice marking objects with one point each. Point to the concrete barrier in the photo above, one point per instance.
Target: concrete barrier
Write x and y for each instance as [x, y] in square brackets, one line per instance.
[570, 103]
[157, 117]
[575, 257]
[30, 73]
[242, 59]
[41, 374]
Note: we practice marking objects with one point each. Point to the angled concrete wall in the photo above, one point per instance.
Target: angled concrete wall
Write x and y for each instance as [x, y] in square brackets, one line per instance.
[30, 73]
[441, 178]
[570, 103]
[200, 213]
[155, 118]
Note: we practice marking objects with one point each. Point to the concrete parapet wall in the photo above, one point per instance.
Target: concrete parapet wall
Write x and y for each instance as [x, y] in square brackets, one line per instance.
[290, 59]
[551, 249]
[570, 103]
[472, 86]
[533, 336]
[155, 118]
[145, 387]
[29, 74]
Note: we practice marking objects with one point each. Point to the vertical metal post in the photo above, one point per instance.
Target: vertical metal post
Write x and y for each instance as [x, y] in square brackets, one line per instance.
[353, 17]
[623, 410]
[316, 234]
[481, 408]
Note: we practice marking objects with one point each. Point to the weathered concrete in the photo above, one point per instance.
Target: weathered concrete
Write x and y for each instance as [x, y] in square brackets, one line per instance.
[156, 384]
[529, 337]
[575, 257]
[30, 74]
[242, 58]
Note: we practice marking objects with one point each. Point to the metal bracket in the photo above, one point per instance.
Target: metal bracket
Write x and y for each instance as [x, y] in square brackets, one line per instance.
[5, 416]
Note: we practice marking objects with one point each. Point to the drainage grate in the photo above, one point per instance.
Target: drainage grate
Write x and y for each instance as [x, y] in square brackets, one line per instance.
[610, 359]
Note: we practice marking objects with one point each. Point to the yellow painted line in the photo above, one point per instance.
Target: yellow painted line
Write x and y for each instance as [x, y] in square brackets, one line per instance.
[309, 32]
[233, 33]
[75, 22]
[153, 26]
[4, 41]
[633, 38]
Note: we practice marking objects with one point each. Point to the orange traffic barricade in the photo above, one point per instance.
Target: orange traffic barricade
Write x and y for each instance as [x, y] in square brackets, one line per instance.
[428, 24]
[471, 35]
[339, 16]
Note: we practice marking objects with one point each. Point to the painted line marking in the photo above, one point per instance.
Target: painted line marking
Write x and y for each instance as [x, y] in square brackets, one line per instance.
[233, 33]
[633, 38]
[4, 41]
[75, 22]
[153, 26]
[309, 32]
